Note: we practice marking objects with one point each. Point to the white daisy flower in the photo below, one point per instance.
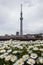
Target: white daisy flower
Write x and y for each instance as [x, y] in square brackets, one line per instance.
[14, 52]
[35, 48]
[19, 62]
[13, 58]
[9, 51]
[31, 61]
[3, 51]
[41, 59]
[41, 49]
[25, 57]
[2, 56]
[34, 55]
[7, 58]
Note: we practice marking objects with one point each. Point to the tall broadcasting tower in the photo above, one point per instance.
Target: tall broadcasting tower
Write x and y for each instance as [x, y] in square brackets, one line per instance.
[21, 24]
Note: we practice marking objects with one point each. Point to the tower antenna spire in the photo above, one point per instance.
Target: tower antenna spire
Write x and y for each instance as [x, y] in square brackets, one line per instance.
[21, 7]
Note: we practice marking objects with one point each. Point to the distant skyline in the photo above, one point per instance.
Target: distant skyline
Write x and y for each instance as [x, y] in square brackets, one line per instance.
[10, 16]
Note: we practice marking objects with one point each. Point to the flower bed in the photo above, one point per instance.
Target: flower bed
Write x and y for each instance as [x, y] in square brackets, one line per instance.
[21, 52]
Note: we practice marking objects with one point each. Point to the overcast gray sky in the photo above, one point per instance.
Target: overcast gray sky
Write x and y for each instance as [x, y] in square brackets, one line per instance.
[10, 14]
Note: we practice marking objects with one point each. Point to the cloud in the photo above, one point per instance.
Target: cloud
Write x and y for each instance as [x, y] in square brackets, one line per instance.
[10, 14]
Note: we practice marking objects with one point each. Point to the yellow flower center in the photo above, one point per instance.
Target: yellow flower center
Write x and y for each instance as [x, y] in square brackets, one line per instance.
[19, 62]
[31, 62]
[42, 60]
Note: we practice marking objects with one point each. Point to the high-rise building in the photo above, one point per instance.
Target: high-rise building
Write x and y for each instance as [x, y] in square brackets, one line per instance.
[21, 22]
[17, 33]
